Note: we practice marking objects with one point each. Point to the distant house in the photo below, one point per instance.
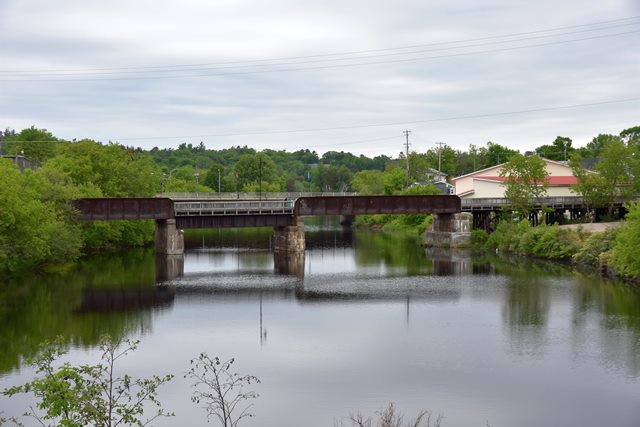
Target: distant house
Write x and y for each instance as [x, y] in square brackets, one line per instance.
[21, 161]
[443, 186]
[434, 175]
[488, 182]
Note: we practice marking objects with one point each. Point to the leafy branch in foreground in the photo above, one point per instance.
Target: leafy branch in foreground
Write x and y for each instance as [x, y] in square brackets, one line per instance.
[90, 395]
[389, 417]
[221, 391]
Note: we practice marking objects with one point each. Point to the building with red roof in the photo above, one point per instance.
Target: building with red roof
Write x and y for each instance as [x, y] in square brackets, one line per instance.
[488, 182]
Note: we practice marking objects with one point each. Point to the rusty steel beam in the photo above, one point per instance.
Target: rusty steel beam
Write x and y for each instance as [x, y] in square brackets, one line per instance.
[234, 221]
[110, 209]
[370, 205]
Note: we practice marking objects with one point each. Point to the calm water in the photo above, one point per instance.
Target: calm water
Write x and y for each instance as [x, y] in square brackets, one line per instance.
[363, 319]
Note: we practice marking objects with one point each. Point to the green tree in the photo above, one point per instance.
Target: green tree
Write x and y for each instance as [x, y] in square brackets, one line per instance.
[34, 227]
[526, 181]
[624, 254]
[36, 144]
[494, 154]
[368, 182]
[394, 179]
[253, 168]
[595, 188]
[331, 178]
[560, 149]
[216, 178]
[90, 395]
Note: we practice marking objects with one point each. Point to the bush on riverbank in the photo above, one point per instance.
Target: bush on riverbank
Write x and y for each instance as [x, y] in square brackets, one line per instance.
[615, 250]
[624, 252]
[543, 241]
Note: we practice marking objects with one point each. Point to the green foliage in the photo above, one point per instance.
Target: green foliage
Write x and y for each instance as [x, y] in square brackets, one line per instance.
[594, 247]
[526, 180]
[624, 254]
[479, 238]
[90, 395]
[330, 178]
[368, 182]
[394, 180]
[34, 227]
[543, 241]
[560, 149]
[36, 144]
[252, 169]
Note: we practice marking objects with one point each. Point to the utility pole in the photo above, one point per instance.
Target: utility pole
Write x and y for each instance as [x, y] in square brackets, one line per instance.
[218, 180]
[440, 144]
[406, 134]
[260, 188]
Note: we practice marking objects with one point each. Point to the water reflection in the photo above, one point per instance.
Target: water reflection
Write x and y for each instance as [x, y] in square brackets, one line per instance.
[77, 304]
[360, 319]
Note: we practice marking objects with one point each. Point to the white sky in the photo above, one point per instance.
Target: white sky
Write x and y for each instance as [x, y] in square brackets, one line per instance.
[50, 53]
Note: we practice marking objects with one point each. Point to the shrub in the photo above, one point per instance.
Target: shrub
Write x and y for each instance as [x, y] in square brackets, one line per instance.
[597, 244]
[624, 254]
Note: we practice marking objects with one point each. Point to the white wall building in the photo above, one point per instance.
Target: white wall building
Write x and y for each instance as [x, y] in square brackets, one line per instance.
[488, 182]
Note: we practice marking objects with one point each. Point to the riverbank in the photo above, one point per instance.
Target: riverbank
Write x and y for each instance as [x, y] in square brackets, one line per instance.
[609, 248]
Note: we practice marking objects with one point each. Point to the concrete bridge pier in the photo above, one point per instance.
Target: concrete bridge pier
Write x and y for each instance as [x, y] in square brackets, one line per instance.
[169, 239]
[450, 230]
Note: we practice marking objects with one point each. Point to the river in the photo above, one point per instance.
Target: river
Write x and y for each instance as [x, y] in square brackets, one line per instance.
[363, 319]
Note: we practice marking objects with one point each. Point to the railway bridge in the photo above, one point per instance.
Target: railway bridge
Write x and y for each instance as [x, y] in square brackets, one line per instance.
[285, 215]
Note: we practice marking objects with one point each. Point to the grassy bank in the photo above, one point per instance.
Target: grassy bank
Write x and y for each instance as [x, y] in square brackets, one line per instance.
[613, 252]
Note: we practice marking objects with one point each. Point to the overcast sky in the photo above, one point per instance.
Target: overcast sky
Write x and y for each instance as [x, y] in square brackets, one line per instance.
[283, 74]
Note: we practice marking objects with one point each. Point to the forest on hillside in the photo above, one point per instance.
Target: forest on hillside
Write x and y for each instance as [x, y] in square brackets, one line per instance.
[189, 168]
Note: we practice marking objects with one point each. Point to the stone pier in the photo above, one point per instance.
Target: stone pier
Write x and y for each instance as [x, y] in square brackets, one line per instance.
[450, 230]
[169, 240]
[169, 267]
[289, 238]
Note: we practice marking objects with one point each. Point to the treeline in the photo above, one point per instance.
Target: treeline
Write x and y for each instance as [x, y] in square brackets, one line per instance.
[37, 224]
[37, 219]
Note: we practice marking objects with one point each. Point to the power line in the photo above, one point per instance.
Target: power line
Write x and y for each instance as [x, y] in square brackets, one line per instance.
[374, 125]
[50, 73]
[619, 20]
[320, 67]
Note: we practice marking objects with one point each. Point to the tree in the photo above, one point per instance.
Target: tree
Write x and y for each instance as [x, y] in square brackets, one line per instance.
[38, 145]
[560, 149]
[394, 180]
[368, 182]
[220, 390]
[90, 395]
[253, 168]
[35, 227]
[526, 181]
[331, 178]
[594, 188]
[625, 258]
[216, 179]
[494, 154]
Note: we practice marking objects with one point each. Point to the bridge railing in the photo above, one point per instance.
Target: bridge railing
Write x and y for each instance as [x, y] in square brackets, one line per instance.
[239, 207]
[249, 196]
[560, 202]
